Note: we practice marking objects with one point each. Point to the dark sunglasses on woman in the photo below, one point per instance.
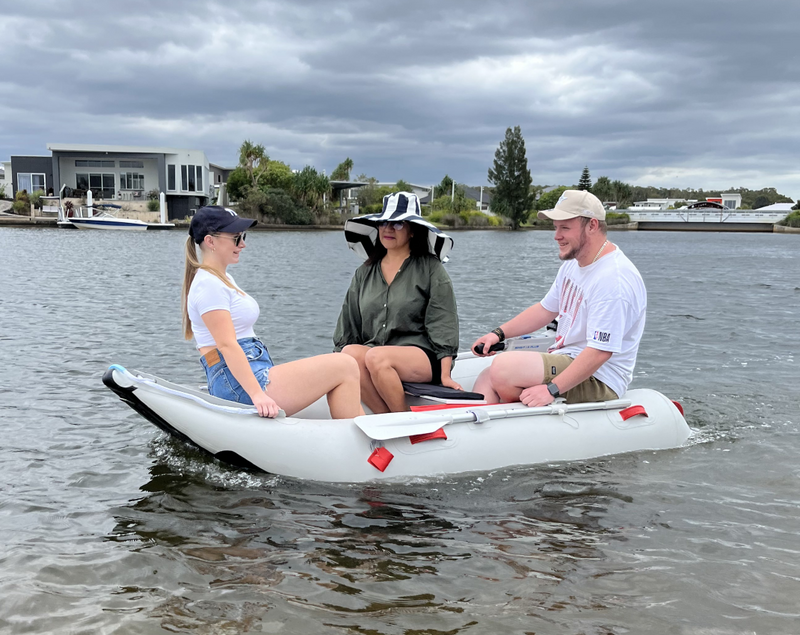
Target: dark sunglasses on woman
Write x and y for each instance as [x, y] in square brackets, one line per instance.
[396, 225]
[237, 238]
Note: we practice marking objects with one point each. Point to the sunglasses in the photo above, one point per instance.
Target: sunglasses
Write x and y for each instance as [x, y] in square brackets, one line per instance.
[237, 238]
[397, 226]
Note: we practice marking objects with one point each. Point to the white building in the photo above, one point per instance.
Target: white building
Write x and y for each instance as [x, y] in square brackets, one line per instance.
[729, 200]
[5, 178]
[129, 172]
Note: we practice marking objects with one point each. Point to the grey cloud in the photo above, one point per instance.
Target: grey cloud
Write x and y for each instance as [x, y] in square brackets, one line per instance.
[409, 90]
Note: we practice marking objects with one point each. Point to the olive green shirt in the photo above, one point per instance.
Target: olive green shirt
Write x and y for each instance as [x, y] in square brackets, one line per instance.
[417, 309]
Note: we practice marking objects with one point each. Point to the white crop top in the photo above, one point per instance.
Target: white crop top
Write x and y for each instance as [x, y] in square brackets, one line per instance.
[209, 293]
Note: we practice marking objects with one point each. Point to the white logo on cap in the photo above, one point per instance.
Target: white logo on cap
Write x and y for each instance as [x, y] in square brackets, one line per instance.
[588, 212]
[230, 211]
[562, 198]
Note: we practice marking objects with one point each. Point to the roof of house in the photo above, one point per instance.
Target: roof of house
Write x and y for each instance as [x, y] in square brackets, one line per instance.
[92, 147]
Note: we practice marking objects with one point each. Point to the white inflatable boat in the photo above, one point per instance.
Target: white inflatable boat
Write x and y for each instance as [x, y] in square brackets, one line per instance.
[439, 438]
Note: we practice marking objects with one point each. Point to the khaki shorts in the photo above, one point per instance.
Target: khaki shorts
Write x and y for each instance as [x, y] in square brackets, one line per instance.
[587, 391]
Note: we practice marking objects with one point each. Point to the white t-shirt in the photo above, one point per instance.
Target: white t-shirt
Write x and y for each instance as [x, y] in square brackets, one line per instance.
[209, 293]
[603, 306]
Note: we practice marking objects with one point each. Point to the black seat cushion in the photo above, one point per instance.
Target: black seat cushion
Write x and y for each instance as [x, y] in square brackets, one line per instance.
[439, 392]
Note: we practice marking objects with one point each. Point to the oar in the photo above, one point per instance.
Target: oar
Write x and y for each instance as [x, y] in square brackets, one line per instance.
[403, 424]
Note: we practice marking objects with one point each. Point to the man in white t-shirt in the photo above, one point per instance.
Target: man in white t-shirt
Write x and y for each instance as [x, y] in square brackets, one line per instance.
[600, 301]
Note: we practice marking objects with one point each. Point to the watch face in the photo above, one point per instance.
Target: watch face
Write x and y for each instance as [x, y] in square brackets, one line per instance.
[553, 389]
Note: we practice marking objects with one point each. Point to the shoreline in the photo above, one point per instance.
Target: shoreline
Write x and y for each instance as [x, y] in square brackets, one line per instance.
[50, 223]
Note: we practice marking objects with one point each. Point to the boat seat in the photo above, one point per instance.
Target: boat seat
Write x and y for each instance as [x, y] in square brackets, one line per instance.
[432, 393]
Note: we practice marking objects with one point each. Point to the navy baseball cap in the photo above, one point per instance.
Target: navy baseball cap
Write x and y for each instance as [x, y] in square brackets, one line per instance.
[213, 219]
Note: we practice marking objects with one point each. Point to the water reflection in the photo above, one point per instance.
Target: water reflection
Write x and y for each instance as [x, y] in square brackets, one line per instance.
[425, 549]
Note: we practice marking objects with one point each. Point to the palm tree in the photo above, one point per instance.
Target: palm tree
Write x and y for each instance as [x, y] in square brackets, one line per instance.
[253, 158]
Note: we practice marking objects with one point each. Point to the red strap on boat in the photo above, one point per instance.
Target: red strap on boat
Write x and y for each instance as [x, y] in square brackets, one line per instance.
[380, 458]
[679, 407]
[627, 413]
[440, 406]
[419, 438]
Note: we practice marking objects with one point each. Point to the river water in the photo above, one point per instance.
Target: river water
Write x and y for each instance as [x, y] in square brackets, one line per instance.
[109, 526]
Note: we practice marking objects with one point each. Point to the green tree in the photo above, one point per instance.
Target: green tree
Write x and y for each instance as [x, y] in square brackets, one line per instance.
[623, 194]
[796, 205]
[761, 201]
[402, 186]
[276, 175]
[603, 189]
[586, 180]
[549, 199]
[238, 184]
[511, 178]
[253, 158]
[445, 188]
[342, 171]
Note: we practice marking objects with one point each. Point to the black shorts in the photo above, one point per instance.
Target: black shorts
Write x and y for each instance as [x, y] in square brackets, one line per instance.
[436, 368]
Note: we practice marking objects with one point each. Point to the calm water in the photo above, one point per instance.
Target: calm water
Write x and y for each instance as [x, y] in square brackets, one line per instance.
[108, 526]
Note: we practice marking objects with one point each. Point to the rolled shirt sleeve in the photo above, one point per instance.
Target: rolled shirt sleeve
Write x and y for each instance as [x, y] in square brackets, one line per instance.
[441, 315]
[348, 326]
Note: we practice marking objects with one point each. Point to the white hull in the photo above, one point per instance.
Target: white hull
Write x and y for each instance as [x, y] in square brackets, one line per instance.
[311, 446]
[127, 224]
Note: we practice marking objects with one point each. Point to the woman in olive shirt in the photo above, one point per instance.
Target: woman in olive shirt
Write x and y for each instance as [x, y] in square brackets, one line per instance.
[399, 318]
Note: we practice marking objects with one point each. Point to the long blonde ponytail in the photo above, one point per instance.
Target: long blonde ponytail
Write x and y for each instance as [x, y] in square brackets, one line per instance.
[192, 264]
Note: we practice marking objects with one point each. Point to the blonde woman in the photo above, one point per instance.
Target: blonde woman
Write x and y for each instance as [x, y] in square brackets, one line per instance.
[220, 316]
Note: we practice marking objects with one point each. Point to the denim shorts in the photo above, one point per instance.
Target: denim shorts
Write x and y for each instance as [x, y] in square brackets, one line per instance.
[222, 383]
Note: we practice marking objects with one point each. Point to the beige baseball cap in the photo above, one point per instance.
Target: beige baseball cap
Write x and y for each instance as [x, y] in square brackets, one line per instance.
[575, 203]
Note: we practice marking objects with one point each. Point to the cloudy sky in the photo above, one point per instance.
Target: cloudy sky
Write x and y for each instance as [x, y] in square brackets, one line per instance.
[686, 93]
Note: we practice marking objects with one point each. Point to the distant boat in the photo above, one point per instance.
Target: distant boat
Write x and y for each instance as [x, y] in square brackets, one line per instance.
[105, 220]
[102, 216]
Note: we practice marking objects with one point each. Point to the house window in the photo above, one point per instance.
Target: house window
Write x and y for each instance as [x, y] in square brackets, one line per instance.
[102, 185]
[184, 179]
[131, 164]
[171, 178]
[199, 178]
[30, 182]
[93, 163]
[131, 181]
[191, 178]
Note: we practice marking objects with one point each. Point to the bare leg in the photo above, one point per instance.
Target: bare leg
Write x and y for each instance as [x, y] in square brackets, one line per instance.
[298, 384]
[369, 395]
[389, 366]
[513, 372]
[483, 385]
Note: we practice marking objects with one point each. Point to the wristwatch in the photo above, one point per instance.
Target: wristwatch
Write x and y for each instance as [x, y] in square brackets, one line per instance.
[553, 390]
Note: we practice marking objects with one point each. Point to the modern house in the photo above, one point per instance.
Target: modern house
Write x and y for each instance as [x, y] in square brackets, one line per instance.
[128, 173]
[29, 173]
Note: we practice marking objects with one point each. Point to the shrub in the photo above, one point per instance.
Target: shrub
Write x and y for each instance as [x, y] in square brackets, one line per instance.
[36, 199]
[153, 205]
[253, 203]
[279, 207]
[22, 203]
[792, 220]
[617, 218]
[2, 190]
[372, 208]
[21, 207]
[152, 195]
[436, 217]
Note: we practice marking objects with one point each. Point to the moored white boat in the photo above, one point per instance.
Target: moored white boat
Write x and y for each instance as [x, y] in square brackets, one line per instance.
[104, 220]
[465, 438]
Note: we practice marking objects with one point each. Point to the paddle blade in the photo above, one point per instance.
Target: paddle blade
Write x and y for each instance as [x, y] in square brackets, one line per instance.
[393, 425]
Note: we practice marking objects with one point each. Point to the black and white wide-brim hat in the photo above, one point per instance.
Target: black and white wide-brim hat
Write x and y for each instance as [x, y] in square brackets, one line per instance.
[361, 232]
